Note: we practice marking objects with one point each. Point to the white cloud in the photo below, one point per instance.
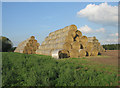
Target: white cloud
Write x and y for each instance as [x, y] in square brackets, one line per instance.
[86, 29]
[102, 13]
[113, 35]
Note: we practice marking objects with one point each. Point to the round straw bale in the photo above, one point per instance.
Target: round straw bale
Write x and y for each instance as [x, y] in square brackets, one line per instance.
[94, 37]
[25, 51]
[28, 44]
[94, 52]
[29, 52]
[89, 45]
[75, 45]
[74, 53]
[82, 53]
[72, 27]
[66, 46]
[32, 37]
[64, 54]
[67, 33]
[88, 51]
[59, 53]
[84, 39]
[68, 39]
[35, 41]
[71, 33]
[38, 44]
[30, 41]
[79, 33]
[83, 45]
[95, 40]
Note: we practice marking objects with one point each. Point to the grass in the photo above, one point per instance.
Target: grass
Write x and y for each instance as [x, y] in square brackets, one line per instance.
[39, 70]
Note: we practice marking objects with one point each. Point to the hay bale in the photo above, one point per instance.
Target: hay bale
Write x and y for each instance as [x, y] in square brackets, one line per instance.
[67, 33]
[71, 27]
[83, 45]
[89, 45]
[82, 53]
[84, 39]
[79, 33]
[74, 53]
[28, 46]
[65, 29]
[66, 46]
[94, 52]
[88, 51]
[32, 37]
[60, 53]
[75, 45]
[68, 39]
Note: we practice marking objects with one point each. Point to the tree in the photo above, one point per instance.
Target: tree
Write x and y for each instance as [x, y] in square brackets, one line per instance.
[5, 44]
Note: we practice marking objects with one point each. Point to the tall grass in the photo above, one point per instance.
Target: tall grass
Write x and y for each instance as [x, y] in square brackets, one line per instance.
[39, 70]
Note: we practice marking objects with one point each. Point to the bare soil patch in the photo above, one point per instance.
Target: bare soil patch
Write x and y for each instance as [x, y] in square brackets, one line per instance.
[110, 57]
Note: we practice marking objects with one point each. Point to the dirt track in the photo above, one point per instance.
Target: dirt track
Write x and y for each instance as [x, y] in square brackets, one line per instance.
[110, 57]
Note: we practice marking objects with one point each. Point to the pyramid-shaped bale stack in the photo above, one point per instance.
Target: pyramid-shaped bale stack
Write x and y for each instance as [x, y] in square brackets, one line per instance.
[58, 42]
[69, 42]
[28, 46]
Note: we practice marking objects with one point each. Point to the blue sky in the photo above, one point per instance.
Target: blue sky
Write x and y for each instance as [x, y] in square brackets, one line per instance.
[20, 20]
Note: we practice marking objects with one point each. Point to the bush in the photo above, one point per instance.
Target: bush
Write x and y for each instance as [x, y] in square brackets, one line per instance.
[111, 46]
[6, 44]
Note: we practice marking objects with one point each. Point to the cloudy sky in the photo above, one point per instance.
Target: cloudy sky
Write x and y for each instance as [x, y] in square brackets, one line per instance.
[20, 20]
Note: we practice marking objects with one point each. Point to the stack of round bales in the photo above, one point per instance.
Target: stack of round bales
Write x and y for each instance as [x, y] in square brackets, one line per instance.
[69, 42]
[61, 43]
[96, 44]
[28, 46]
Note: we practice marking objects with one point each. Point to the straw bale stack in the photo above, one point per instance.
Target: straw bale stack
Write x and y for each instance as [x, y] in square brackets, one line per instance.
[28, 46]
[59, 42]
[96, 44]
[69, 42]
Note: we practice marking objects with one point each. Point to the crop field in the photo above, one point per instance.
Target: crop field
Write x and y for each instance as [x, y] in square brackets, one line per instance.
[40, 70]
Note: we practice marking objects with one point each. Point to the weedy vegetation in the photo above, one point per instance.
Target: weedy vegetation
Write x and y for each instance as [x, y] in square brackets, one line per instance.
[40, 70]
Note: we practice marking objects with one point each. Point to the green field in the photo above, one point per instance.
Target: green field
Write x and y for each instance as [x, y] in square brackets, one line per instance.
[39, 70]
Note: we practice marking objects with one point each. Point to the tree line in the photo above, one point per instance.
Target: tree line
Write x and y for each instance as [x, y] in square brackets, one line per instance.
[111, 46]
